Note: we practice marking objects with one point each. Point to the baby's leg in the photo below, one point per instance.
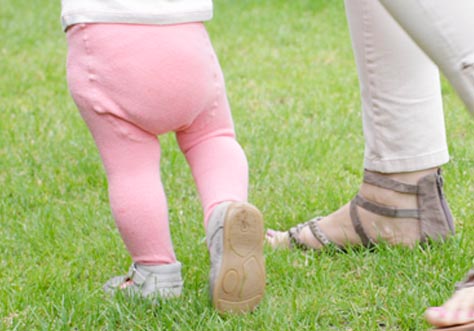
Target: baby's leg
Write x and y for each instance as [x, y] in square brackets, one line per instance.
[234, 228]
[220, 170]
[131, 83]
[131, 158]
[217, 161]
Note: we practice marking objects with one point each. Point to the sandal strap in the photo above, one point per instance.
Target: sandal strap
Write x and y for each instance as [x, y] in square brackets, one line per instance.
[135, 275]
[317, 233]
[384, 210]
[359, 229]
[295, 240]
[378, 209]
[388, 183]
[467, 282]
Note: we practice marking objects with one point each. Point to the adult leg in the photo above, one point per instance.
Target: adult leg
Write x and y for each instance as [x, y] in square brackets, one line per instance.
[444, 30]
[404, 134]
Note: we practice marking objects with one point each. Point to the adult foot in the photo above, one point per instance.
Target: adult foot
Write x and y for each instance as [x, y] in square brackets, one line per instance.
[457, 313]
[400, 209]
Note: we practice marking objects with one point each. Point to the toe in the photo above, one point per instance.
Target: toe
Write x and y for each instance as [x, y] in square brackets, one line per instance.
[459, 309]
[436, 316]
[270, 233]
[277, 239]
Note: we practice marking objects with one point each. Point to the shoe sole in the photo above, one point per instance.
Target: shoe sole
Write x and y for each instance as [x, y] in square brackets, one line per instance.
[240, 282]
[464, 327]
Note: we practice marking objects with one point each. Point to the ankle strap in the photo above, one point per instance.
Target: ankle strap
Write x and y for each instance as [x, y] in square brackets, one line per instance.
[385, 210]
[388, 183]
[376, 208]
[136, 275]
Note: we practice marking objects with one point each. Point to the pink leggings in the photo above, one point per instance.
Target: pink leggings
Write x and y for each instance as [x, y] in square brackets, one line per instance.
[132, 83]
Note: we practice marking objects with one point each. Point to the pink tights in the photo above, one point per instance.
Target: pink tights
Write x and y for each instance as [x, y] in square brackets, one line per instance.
[132, 83]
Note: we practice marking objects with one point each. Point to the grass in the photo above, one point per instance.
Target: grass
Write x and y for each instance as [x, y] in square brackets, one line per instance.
[293, 88]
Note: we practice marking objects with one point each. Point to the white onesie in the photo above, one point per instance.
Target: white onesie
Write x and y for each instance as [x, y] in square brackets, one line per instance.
[135, 11]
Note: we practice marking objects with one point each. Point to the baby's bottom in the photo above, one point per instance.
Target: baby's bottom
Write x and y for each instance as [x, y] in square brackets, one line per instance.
[134, 82]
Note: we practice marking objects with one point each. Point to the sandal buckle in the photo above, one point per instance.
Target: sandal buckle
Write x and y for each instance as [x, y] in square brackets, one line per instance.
[132, 272]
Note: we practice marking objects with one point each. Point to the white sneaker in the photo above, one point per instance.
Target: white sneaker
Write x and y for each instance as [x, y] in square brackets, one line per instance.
[163, 281]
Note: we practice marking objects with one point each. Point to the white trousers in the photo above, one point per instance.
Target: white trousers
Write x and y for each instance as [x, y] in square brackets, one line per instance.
[400, 90]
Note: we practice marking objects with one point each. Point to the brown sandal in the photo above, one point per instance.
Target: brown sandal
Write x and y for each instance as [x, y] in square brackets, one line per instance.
[433, 213]
[463, 327]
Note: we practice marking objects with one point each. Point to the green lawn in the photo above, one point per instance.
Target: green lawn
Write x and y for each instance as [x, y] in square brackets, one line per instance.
[293, 88]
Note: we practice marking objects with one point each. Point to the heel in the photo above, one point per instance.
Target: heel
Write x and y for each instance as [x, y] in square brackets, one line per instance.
[436, 220]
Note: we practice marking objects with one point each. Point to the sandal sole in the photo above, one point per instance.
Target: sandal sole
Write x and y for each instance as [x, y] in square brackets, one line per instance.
[240, 283]
[463, 327]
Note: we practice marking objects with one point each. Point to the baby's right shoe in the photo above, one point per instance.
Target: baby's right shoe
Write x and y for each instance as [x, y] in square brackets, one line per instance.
[235, 240]
[163, 281]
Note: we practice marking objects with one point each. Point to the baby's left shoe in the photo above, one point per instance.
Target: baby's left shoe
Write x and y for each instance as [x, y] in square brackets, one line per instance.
[235, 241]
[163, 281]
